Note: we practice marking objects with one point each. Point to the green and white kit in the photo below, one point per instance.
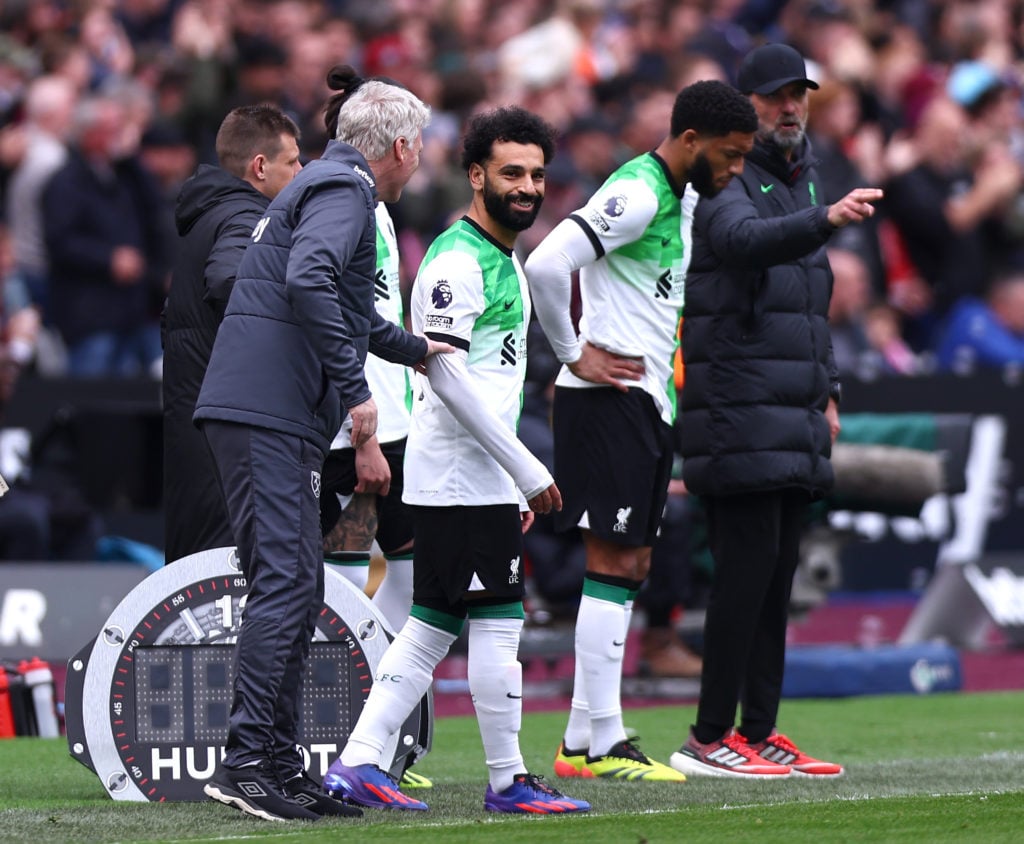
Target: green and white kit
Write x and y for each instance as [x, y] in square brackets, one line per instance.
[462, 449]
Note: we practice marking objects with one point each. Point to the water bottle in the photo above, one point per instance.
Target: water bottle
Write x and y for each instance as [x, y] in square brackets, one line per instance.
[39, 680]
[6, 714]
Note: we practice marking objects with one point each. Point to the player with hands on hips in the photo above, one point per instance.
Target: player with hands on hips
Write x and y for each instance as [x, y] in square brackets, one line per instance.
[614, 398]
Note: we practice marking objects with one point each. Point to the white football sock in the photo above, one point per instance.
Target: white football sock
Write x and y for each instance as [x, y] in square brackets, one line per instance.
[394, 594]
[577, 731]
[496, 683]
[600, 645]
[403, 677]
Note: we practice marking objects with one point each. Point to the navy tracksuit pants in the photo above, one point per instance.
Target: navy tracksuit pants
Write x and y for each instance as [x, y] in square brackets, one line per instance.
[271, 484]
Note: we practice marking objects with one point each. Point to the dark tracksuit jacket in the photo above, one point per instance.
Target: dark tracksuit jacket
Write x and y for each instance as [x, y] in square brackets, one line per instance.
[215, 216]
[286, 365]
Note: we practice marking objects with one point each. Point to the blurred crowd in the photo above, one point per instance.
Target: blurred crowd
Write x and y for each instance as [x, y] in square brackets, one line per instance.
[107, 106]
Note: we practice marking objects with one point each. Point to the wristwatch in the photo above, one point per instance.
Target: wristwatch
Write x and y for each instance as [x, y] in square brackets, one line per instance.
[835, 392]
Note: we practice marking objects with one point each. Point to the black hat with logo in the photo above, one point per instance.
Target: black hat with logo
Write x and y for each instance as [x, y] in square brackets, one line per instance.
[768, 68]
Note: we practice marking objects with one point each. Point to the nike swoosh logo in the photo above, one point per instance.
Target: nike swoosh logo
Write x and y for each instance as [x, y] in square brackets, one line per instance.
[512, 696]
[617, 644]
[766, 188]
[508, 305]
[665, 241]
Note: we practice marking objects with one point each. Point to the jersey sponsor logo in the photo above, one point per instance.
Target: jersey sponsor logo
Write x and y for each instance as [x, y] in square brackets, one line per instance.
[437, 321]
[622, 519]
[508, 305]
[261, 227]
[615, 206]
[513, 568]
[314, 483]
[509, 354]
[441, 295]
[598, 222]
[380, 286]
[663, 286]
[366, 176]
[766, 188]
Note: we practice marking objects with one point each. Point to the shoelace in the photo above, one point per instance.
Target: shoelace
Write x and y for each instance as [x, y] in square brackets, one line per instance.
[780, 740]
[534, 782]
[634, 752]
[269, 769]
[738, 744]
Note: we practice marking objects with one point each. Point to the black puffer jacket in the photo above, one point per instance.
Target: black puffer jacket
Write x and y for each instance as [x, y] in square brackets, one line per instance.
[755, 335]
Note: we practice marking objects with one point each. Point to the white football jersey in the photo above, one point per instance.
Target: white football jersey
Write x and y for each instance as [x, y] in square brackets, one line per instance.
[390, 383]
[470, 292]
[632, 295]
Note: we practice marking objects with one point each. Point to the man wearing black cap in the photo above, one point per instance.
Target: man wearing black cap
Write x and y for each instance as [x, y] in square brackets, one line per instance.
[759, 412]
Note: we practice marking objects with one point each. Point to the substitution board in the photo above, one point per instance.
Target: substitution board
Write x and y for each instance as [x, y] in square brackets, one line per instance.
[147, 700]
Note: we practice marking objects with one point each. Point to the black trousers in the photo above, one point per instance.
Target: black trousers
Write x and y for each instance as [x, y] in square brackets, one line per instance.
[195, 518]
[755, 542]
[271, 484]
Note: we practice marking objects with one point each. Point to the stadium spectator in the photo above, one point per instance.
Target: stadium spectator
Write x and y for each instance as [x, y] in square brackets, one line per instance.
[865, 330]
[850, 152]
[613, 407]
[989, 332]
[111, 54]
[261, 72]
[309, 57]
[473, 500]
[216, 214]
[286, 368]
[49, 104]
[760, 408]
[105, 250]
[941, 203]
[851, 296]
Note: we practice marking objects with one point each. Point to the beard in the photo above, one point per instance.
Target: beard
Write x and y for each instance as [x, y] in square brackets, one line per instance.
[500, 208]
[700, 176]
[787, 139]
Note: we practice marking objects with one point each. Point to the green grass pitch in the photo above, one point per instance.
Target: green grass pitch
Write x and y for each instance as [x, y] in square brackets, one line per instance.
[919, 769]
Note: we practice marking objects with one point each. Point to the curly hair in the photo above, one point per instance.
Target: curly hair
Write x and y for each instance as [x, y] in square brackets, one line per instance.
[507, 123]
[712, 109]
